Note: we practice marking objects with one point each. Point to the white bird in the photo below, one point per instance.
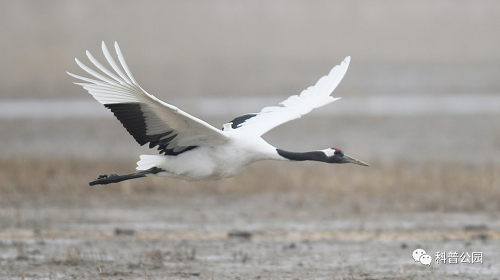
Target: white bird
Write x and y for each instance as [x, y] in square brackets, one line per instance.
[191, 149]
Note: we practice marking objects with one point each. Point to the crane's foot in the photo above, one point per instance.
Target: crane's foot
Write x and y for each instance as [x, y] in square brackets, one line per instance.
[105, 179]
[106, 176]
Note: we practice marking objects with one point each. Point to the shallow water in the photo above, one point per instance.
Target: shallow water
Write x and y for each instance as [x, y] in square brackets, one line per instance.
[380, 105]
[406, 128]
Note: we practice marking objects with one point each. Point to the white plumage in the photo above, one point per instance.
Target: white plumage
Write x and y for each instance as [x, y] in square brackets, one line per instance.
[190, 148]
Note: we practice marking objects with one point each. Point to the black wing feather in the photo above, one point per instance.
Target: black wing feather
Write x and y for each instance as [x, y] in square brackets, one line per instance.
[132, 118]
[241, 119]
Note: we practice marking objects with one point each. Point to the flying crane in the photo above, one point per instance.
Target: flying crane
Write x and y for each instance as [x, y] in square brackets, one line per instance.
[189, 148]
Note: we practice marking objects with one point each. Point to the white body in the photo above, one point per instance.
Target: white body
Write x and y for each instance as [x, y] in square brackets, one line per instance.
[216, 162]
[217, 153]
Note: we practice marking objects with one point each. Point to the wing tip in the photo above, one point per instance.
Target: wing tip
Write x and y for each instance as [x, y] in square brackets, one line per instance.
[347, 59]
[117, 49]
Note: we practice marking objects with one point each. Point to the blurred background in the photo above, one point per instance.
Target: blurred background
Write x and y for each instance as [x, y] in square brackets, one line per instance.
[422, 93]
[420, 103]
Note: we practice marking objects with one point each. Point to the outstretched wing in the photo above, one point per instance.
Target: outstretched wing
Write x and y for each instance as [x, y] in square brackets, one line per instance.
[295, 106]
[146, 118]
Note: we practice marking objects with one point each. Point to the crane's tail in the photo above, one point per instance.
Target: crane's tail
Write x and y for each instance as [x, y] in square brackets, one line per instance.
[115, 178]
[150, 161]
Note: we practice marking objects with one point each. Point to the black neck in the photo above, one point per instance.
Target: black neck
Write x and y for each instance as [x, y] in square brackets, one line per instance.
[314, 156]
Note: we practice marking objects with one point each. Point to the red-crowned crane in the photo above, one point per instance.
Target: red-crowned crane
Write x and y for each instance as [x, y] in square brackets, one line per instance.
[191, 149]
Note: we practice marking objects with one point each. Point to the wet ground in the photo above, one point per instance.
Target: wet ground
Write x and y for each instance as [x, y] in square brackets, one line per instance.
[252, 237]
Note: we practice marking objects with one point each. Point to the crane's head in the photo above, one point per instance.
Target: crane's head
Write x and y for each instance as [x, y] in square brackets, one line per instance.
[337, 156]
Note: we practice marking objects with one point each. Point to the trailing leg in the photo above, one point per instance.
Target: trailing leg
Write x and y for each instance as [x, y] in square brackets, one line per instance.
[115, 178]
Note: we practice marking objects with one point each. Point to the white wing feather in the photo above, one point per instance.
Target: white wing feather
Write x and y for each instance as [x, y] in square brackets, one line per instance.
[296, 105]
[159, 117]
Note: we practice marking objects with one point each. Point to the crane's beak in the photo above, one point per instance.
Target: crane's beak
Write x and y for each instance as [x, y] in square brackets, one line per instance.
[348, 159]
